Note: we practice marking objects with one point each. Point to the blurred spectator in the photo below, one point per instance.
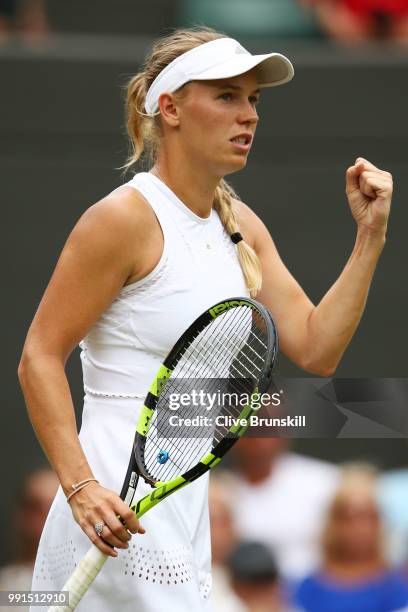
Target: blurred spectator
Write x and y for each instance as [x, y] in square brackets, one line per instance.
[255, 578]
[256, 18]
[280, 499]
[223, 541]
[354, 576]
[356, 21]
[32, 505]
[7, 16]
[393, 499]
[27, 17]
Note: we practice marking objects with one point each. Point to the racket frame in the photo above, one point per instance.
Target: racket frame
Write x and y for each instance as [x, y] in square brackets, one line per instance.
[208, 461]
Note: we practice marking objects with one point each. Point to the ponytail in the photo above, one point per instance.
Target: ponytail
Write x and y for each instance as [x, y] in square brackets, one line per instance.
[248, 259]
[141, 128]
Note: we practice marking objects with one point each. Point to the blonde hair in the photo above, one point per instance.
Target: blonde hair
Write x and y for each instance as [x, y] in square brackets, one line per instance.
[357, 487]
[145, 133]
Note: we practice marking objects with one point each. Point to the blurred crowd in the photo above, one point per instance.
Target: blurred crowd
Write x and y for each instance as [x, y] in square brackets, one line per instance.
[294, 534]
[31, 507]
[359, 21]
[28, 18]
[289, 533]
[348, 22]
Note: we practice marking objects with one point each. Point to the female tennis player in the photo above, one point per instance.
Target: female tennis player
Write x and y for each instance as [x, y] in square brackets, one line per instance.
[173, 240]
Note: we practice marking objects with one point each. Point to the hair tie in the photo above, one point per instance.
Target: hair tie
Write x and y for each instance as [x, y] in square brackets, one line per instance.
[236, 237]
[150, 116]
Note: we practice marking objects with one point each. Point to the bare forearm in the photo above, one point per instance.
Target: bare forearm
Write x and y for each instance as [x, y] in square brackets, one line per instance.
[333, 321]
[51, 411]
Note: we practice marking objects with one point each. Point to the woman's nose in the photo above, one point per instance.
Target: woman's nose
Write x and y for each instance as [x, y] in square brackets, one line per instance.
[249, 114]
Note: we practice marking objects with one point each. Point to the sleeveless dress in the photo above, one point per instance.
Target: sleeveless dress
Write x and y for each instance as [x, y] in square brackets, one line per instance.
[168, 567]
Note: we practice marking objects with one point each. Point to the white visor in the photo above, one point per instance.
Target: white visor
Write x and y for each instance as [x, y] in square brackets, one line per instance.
[218, 59]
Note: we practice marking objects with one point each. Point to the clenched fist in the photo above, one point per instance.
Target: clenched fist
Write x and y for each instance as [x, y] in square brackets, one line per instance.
[369, 193]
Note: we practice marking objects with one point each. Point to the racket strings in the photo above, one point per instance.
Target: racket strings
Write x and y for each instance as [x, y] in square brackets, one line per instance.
[227, 358]
[193, 353]
[201, 445]
[187, 367]
[198, 447]
[220, 431]
[239, 361]
[196, 353]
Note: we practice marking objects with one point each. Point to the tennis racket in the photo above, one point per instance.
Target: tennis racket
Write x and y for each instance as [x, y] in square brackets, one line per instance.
[233, 345]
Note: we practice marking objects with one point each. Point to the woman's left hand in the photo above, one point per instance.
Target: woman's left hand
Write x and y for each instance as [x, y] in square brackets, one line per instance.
[369, 192]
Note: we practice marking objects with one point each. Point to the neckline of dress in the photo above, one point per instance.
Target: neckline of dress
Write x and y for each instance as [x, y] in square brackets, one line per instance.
[179, 203]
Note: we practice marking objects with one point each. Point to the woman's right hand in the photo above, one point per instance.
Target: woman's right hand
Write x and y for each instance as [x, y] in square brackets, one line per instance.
[94, 504]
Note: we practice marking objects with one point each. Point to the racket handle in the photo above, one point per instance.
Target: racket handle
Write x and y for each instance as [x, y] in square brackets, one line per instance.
[82, 578]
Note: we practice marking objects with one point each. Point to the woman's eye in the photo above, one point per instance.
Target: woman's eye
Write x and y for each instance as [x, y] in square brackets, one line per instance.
[226, 96]
[254, 101]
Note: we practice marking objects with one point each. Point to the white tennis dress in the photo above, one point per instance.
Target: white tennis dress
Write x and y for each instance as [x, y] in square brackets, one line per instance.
[168, 568]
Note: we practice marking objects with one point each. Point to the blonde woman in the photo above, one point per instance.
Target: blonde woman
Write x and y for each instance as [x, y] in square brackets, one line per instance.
[355, 575]
[175, 239]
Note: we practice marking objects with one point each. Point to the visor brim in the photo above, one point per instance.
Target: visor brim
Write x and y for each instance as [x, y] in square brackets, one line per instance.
[272, 69]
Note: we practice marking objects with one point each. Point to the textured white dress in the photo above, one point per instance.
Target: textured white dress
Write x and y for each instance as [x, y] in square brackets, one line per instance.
[168, 568]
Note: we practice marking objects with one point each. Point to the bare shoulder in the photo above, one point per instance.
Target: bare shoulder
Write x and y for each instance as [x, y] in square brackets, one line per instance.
[124, 210]
[105, 249]
[251, 226]
[119, 226]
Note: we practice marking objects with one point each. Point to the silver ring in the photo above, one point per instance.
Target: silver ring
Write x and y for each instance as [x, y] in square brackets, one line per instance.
[99, 528]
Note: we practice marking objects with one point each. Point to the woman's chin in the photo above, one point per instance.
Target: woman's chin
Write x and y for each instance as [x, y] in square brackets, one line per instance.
[235, 165]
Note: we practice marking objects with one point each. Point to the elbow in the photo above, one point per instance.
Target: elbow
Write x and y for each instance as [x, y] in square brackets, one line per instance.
[319, 361]
[22, 369]
[35, 362]
[326, 370]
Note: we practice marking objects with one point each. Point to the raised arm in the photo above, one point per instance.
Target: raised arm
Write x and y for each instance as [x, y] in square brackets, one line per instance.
[315, 337]
[98, 258]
